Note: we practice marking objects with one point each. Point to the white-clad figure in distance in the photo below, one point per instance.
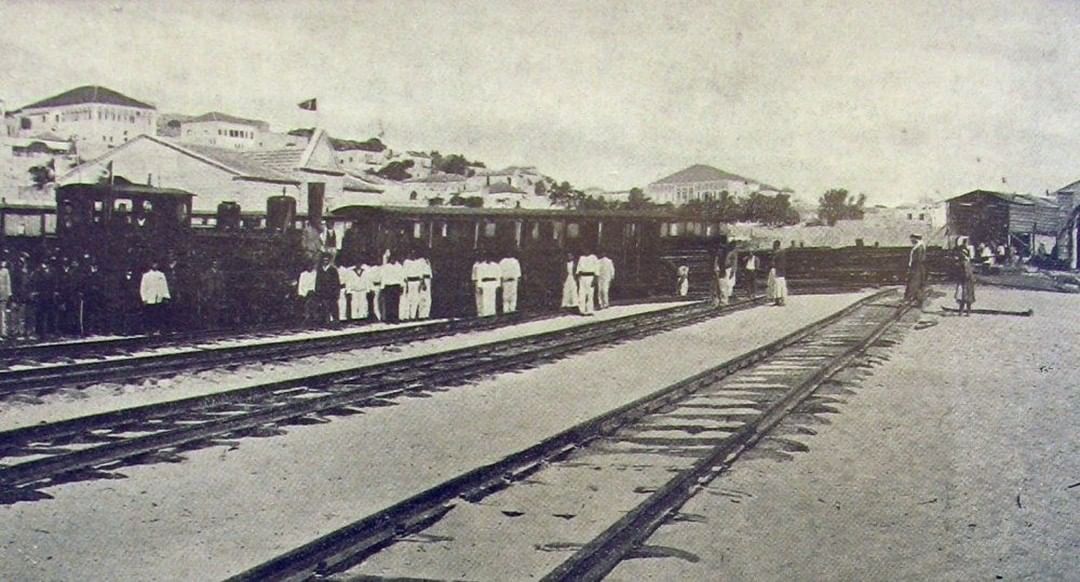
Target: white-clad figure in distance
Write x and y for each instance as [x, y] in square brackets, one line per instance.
[569, 284]
[587, 266]
[424, 307]
[509, 274]
[605, 274]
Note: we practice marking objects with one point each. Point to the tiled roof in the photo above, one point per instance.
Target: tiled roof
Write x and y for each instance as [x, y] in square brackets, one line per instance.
[242, 162]
[700, 173]
[356, 184]
[89, 94]
[285, 160]
[217, 116]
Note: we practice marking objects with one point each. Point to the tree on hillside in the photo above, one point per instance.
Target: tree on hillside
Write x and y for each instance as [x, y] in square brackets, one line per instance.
[541, 188]
[397, 171]
[838, 204]
[453, 164]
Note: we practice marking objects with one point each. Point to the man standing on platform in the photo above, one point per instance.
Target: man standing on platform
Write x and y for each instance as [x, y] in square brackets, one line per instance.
[393, 287]
[424, 309]
[916, 280]
[587, 266]
[776, 289]
[154, 292]
[327, 290]
[751, 269]
[414, 280]
[605, 274]
[509, 273]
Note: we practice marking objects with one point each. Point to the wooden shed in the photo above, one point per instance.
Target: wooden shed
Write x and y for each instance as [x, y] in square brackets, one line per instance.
[1002, 218]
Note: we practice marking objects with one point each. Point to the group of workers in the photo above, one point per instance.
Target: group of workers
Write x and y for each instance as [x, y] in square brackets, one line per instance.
[587, 283]
[495, 284]
[392, 291]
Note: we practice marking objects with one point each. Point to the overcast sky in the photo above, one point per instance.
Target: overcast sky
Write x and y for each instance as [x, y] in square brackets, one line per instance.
[897, 99]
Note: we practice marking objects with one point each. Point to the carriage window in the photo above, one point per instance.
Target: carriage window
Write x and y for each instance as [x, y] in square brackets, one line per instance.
[535, 231]
[418, 230]
[489, 229]
[557, 229]
[148, 206]
[444, 229]
[120, 205]
[99, 205]
[629, 230]
[573, 230]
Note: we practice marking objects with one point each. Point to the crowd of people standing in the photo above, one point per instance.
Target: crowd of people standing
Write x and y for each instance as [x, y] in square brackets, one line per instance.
[57, 295]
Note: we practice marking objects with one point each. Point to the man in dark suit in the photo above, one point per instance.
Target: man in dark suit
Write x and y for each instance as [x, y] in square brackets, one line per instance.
[916, 280]
[327, 290]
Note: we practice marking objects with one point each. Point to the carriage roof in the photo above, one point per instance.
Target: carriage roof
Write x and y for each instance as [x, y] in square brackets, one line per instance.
[360, 211]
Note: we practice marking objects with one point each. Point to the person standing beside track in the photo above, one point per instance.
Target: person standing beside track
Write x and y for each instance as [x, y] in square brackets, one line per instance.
[393, 287]
[569, 284]
[489, 284]
[965, 284]
[605, 274]
[414, 280]
[5, 300]
[509, 273]
[154, 292]
[424, 307]
[371, 291]
[327, 291]
[776, 289]
[916, 271]
[727, 275]
[750, 270]
[587, 266]
[347, 298]
[305, 289]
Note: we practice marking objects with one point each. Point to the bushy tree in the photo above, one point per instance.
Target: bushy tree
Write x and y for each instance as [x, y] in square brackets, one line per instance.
[398, 171]
[838, 204]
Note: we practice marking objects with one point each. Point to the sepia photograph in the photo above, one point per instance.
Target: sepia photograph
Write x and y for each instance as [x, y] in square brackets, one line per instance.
[569, 290]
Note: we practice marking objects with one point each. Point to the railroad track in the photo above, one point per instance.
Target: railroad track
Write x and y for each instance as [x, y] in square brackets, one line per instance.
[108, 361]
[92, 446]
[643, 460]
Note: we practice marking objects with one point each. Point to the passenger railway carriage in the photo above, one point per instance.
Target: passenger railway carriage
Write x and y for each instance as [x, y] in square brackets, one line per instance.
[453, 238]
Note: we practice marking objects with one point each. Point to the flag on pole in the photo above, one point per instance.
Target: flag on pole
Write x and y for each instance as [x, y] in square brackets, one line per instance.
[309, 105]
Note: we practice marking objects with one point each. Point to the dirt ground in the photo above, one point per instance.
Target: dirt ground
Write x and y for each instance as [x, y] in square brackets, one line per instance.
[955, 458]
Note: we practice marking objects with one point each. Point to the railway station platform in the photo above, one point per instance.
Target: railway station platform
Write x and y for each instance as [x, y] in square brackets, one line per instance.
[229, 507]
[956, 458]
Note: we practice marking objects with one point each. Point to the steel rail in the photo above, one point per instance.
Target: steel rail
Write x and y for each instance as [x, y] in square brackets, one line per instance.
[600, 556]
[29, 472]
[342, 548]
[133, 367]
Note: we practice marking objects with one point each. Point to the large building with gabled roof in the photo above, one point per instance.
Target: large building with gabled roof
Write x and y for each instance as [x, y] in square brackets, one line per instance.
[702, 182]
[94, 118]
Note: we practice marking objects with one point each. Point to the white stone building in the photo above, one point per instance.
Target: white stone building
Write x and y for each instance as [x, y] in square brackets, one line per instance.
[223, 131]
[95, 118]
[701, 182]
